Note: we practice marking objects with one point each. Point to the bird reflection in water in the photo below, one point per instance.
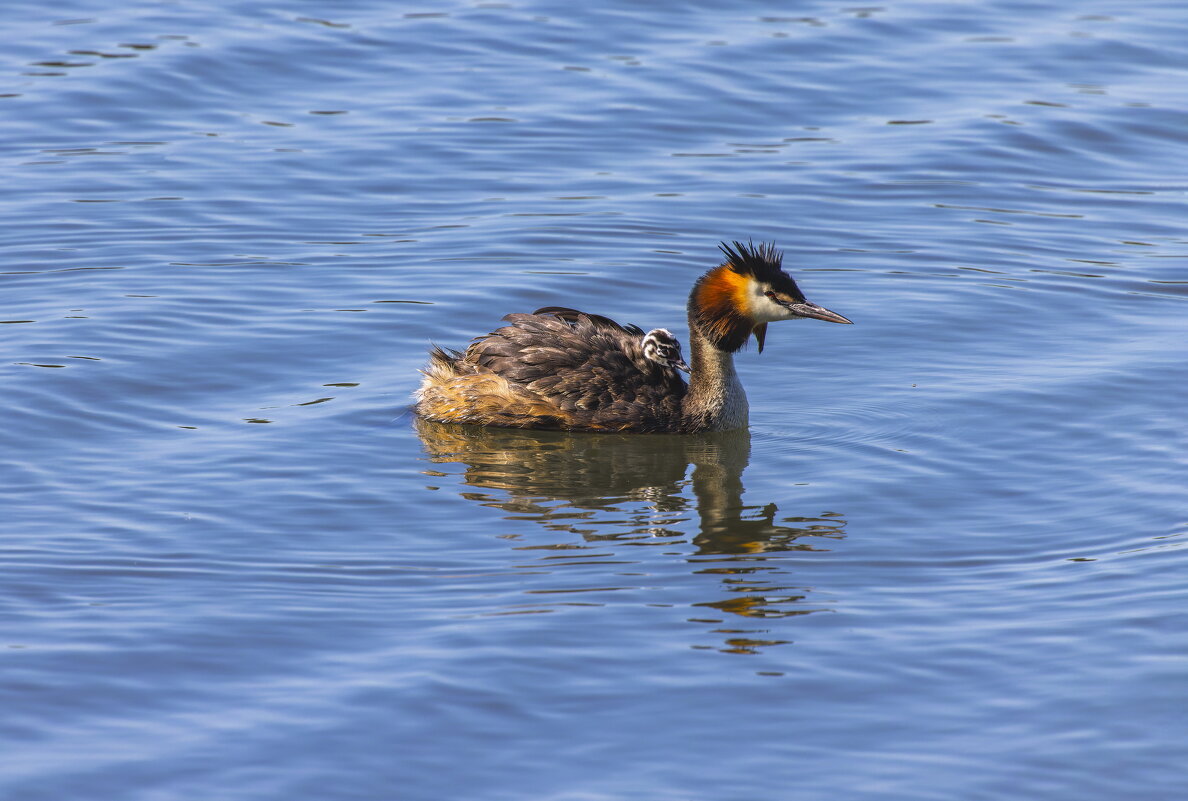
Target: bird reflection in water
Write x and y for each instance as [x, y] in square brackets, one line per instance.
[598, 491]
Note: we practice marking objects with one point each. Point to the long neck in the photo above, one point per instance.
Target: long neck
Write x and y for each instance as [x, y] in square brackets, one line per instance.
[716, 400]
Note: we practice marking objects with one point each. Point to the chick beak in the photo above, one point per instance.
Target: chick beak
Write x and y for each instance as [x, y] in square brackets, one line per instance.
[760, 332]
[814, 311]
[681, 365]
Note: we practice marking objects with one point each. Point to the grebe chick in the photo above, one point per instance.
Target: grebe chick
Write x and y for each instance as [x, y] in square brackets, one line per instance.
[564, 369]
[664, 349]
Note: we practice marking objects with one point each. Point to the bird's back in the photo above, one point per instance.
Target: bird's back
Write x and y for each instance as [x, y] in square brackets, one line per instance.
[554, 368]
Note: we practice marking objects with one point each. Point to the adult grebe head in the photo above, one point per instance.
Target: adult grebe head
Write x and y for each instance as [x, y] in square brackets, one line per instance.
[745, 293]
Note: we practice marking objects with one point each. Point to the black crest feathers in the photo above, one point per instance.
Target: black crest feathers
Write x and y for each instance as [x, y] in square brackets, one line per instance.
[763, 263]
[762, 260]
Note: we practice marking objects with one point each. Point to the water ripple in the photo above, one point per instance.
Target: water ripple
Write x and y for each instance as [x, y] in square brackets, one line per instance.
[234, 230]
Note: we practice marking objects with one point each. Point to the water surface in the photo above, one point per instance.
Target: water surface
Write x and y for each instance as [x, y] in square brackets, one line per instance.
[945, 562]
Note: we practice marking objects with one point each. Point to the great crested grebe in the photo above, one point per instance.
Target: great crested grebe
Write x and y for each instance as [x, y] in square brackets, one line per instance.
[563, 369]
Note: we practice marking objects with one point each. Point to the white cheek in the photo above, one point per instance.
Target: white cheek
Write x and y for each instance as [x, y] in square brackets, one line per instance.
[766, 310]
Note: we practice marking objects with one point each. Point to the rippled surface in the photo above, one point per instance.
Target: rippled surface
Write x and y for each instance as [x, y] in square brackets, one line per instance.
[946, 562]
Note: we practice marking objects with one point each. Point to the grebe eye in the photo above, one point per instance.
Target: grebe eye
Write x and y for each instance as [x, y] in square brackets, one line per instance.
[769, 294]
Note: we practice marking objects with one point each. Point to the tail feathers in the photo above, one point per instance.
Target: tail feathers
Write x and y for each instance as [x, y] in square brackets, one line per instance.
[443, 365]
[443, 360]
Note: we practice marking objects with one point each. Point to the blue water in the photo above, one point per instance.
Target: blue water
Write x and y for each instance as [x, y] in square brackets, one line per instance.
[947, 561]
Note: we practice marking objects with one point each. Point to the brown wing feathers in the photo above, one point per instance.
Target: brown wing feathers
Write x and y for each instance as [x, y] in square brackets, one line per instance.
[555, 368]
